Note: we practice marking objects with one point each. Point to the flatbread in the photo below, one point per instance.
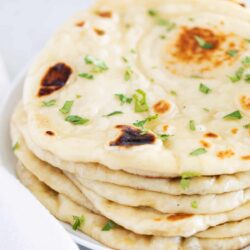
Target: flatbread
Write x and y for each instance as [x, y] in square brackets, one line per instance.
[198, 185]
[118, 238]
[161, 67]
[189, 204]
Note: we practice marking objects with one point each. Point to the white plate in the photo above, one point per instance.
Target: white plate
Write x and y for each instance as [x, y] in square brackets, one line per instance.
[8, 160]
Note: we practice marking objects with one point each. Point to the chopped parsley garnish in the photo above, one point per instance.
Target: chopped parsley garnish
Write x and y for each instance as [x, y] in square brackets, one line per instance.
[128, 74]
[86, 75]
[161, 21]
[49, 103]
[109, 225]
[204, 89]
[194, 204]
[173, 93]
[232, 52]
[186, 177]
[247, 78]
[99, 66]
[114, 113]
[246, 61]
[78, 221]
[192, 125]
[163, 137]
[237, 76]
[125, 59]
[141, 124]
[236, 115]
[247, 126]
[198, 151]
[152, 12]
[202, 43]
[67, 107]
[140, 101]
[133, 51]
[124, 99]
[16, 146]
[76, 120]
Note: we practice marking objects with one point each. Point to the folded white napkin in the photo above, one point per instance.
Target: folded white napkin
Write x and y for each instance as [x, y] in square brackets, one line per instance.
[24, 223]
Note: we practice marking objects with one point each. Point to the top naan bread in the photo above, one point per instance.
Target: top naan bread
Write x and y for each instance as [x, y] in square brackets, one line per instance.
[180, 69]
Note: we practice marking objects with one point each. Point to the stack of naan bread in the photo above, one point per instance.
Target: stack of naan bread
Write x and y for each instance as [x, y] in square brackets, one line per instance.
[134, 124]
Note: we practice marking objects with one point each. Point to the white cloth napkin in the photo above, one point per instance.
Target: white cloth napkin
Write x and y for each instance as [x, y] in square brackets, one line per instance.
[24, 223]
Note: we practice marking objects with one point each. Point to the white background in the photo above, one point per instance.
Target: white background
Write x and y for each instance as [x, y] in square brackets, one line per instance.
[26, 25]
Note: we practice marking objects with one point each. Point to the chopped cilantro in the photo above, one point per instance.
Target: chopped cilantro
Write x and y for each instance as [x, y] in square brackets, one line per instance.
[86, 75]
[194, 204]
[246, 61]
[236, 115]
[247, 78]
[192, 125]
[78, 221]
[202, 43]
[152, 12]
[109, 225]
[232, 52]
[124, 99]
[128, 74]
[99, 66]
[247, 126]
[198, 151]
[141, 124]
[173, 93]
[78, 96]
[49, 103]
[76, 120]
[67, 107]
[124, 59]
[186, 177]
[140, 101]
[114, 113]
[16, 146]
[204, 89]
[237, 76]
[163, 137]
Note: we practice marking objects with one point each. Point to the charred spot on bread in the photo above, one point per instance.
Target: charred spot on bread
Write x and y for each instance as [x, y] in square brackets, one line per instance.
[131, 136]
[54, 79]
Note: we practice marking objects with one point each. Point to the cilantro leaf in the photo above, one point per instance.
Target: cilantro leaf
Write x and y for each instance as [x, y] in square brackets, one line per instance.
[194, 204]
[237, 76]
[140, 101]
[128, 74]
[76, 120]
[99, 66]
[124, 99]
[192, 125]
[232, 52]
[114, 113]
[202, 43]
[16, 146]
[163, 137]
[86, 75]
[236, 115]
[49, 103]
[67, 107]
[198, 151]
[109, 225]
[78, 221]
[204, 89]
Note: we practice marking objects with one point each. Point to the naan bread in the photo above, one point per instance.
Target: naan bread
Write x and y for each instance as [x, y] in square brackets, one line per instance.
[190, 204]
[118, 238]
[198, 185]
[173, 44]
[164, 203]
